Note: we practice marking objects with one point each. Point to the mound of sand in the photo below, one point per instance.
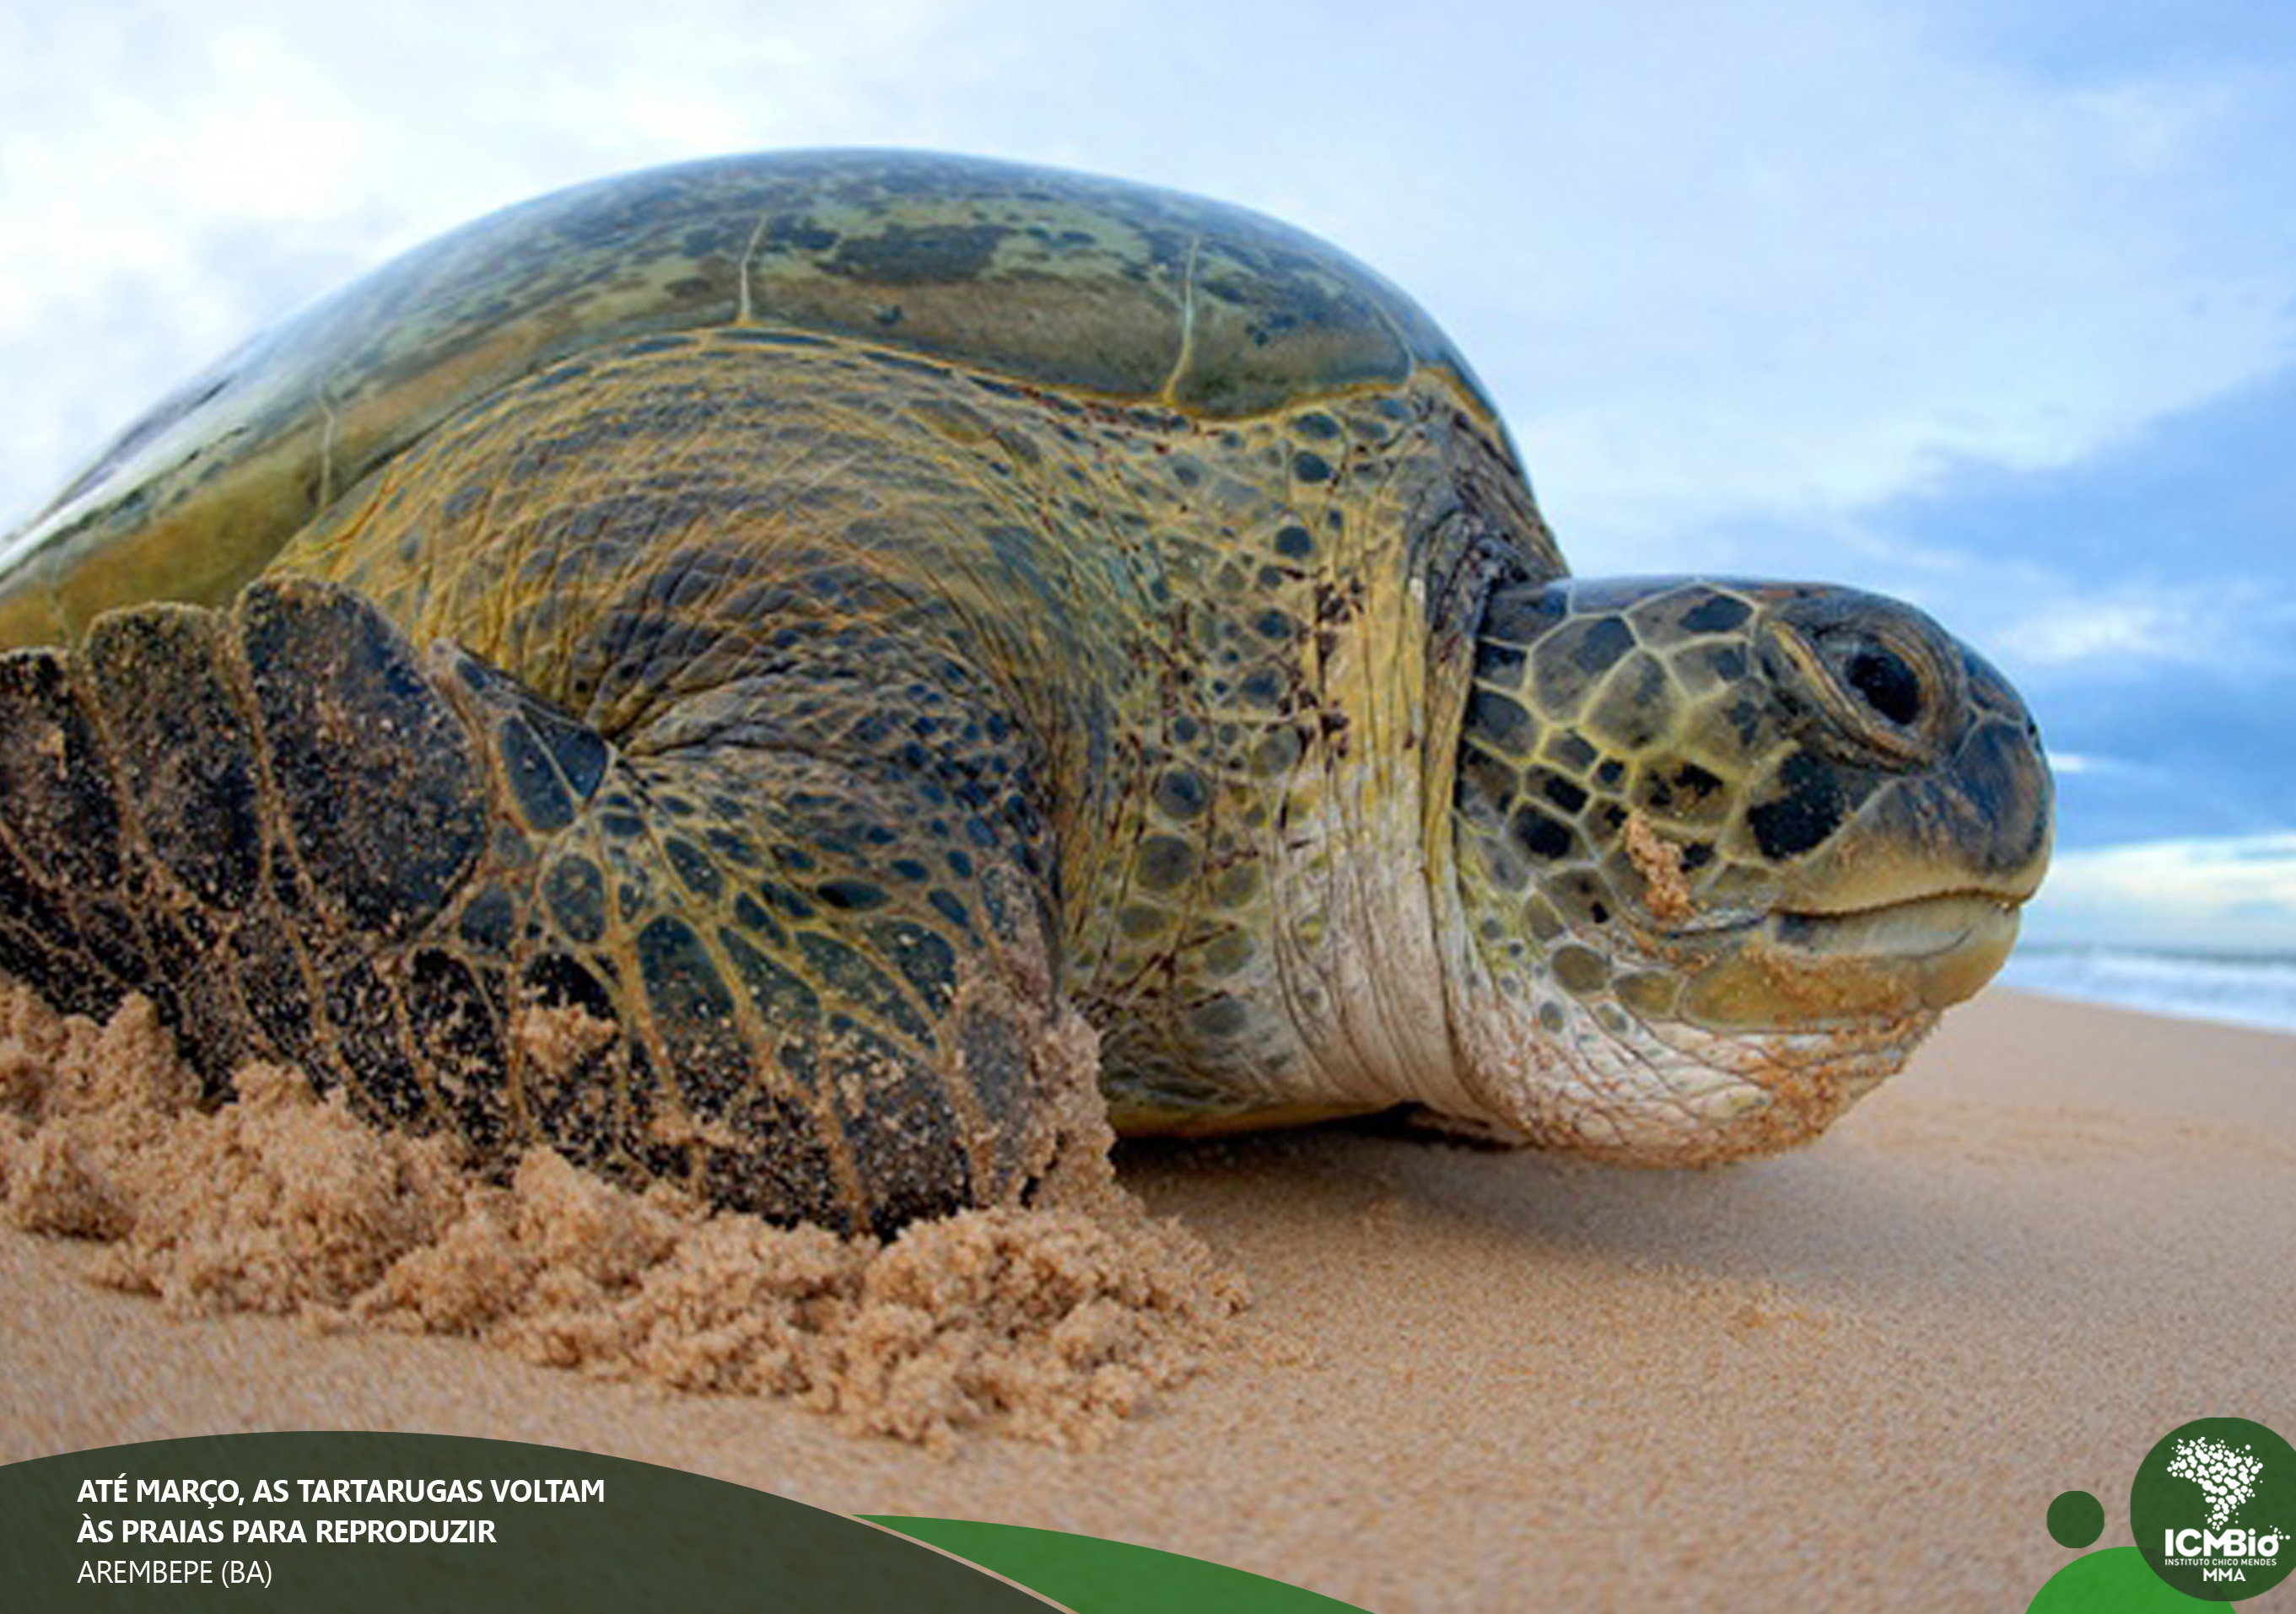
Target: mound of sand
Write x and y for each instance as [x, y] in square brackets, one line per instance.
[1051, 1323]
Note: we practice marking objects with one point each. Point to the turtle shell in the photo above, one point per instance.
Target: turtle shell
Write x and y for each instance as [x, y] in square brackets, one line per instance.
[1063, 281]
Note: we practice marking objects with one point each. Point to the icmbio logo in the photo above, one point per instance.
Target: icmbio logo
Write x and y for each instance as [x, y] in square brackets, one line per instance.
[2212, 1508]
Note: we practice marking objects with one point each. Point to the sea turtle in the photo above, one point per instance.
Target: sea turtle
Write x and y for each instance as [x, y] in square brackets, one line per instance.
[834, 619]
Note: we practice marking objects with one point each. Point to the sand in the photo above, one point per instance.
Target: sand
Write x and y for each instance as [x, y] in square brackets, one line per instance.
[1054, 1322]
[1852, 1377]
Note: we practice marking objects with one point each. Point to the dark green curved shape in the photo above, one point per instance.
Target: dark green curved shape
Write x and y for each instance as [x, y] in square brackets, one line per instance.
[1094, 1577]
[661, 1538]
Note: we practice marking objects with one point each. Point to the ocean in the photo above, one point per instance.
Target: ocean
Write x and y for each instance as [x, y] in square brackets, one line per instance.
[2242, 989]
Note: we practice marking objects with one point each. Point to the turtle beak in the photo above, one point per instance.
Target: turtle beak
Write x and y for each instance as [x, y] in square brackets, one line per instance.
[1797, 971]
[1912, 904]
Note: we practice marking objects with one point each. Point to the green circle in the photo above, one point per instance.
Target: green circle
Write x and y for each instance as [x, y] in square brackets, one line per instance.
[2076, 1518]
[2207, 1501]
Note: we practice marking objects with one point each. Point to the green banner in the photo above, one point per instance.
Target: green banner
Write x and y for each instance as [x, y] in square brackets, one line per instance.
[353, 1522]
[1095, 1576]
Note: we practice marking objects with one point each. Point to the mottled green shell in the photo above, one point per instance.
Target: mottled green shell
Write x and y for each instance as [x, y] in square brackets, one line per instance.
[1076, 285]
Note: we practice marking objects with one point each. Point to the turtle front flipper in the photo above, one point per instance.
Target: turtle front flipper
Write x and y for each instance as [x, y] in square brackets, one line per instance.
[306, 840]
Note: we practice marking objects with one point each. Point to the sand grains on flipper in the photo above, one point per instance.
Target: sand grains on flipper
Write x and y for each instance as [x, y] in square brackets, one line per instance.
[1053, 1322]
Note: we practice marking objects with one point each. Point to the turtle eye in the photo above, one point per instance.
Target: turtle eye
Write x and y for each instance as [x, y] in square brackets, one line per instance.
[1884, 682]
[1877, 696]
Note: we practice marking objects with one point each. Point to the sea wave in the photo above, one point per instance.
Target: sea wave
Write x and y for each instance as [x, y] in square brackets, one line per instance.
[2240, 989]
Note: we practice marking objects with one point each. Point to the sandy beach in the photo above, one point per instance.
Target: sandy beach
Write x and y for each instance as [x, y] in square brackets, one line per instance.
[1853, 1377]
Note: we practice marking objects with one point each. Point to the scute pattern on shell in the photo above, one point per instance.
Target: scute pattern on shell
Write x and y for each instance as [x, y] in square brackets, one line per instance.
[1075, 284]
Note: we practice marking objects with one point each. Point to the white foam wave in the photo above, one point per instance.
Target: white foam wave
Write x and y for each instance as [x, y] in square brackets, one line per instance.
[2243, 989]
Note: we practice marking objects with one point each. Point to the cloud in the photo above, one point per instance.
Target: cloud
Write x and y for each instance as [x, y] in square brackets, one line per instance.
[2144, 598]
[2234, 893]
[1788, 256]
[175, 176]
[2221, 624]
[2071, 630]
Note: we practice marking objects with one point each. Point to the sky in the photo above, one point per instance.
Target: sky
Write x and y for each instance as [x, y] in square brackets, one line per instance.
[1990, 303]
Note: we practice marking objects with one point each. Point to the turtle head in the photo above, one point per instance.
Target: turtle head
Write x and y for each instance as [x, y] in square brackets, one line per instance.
[1724, 851]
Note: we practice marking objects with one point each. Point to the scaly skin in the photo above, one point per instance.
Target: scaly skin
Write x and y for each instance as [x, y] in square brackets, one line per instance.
[1210, 641]
[837, 620]
[1725, 850]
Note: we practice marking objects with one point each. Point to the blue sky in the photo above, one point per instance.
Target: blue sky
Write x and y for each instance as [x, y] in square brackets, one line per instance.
[1989, 303]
